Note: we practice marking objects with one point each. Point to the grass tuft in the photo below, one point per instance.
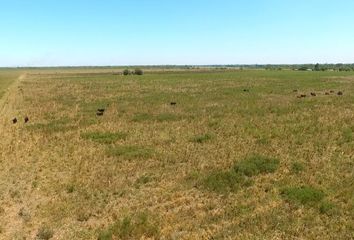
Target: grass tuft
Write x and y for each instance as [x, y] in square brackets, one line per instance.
[141, 117]
[130, 152]
[104, 138]
[163, 117]
[167, 117]
[137, 227]
[297, 167]
[45, 233]
[202, 138]
[327, 208]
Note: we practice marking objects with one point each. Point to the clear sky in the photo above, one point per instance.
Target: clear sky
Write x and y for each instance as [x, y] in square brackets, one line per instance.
[148, 32]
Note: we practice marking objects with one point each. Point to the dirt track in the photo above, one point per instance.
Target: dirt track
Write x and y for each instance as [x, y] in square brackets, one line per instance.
[15, 195]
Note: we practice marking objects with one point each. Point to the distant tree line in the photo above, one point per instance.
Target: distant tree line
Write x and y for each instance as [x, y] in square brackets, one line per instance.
[312, 67]
[137, 71]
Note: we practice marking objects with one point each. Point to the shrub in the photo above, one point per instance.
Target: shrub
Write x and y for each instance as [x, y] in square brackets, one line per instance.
[126, 72]
[45, 233]
[256, 164]
[303, 195]
[70, 188]
[138, 71]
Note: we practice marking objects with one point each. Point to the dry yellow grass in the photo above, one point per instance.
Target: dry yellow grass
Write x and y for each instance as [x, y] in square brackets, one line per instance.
[140, 170]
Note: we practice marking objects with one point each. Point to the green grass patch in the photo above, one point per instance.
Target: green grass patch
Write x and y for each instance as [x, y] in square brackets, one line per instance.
[202, 138]
[347, 135]
[130, 152]
[163, 117]
[60, 125]
[167, 117]
[141, 117]
[303, 195]
[240, 175]
[256, 164]
[297, 167]
[137, 227]
[224, 182]
[327, 208]
[105, 138]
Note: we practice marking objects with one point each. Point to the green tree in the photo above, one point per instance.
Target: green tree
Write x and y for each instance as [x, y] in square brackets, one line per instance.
[126, 72]
[138, 71]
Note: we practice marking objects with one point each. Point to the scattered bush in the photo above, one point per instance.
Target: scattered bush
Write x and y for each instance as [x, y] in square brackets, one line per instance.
[138, 71]
[126, 72]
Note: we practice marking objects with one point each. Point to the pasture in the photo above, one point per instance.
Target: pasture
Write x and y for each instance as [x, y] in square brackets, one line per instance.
[237, 155]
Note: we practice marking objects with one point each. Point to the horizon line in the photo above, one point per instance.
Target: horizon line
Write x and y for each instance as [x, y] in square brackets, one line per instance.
[175, 65]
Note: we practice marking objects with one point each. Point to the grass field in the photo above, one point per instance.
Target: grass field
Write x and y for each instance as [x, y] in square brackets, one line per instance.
[239, 156]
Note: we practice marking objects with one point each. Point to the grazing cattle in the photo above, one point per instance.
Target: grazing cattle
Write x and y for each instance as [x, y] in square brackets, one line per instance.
[327, 93]
[313, 94]
[295, 90]
[14, 121]
[303, 95]
[246, 90]
[331, 91]
[99, 113]
[26, 119]
[173, 103]
[340, 93]
[101, 110]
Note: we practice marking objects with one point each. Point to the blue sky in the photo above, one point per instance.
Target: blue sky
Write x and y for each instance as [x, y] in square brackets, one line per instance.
[148, 32]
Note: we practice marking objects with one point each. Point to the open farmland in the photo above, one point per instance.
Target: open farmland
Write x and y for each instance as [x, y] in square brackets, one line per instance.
[239, 155]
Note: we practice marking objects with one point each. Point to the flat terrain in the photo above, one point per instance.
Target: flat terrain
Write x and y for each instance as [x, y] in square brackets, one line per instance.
[238, 155]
